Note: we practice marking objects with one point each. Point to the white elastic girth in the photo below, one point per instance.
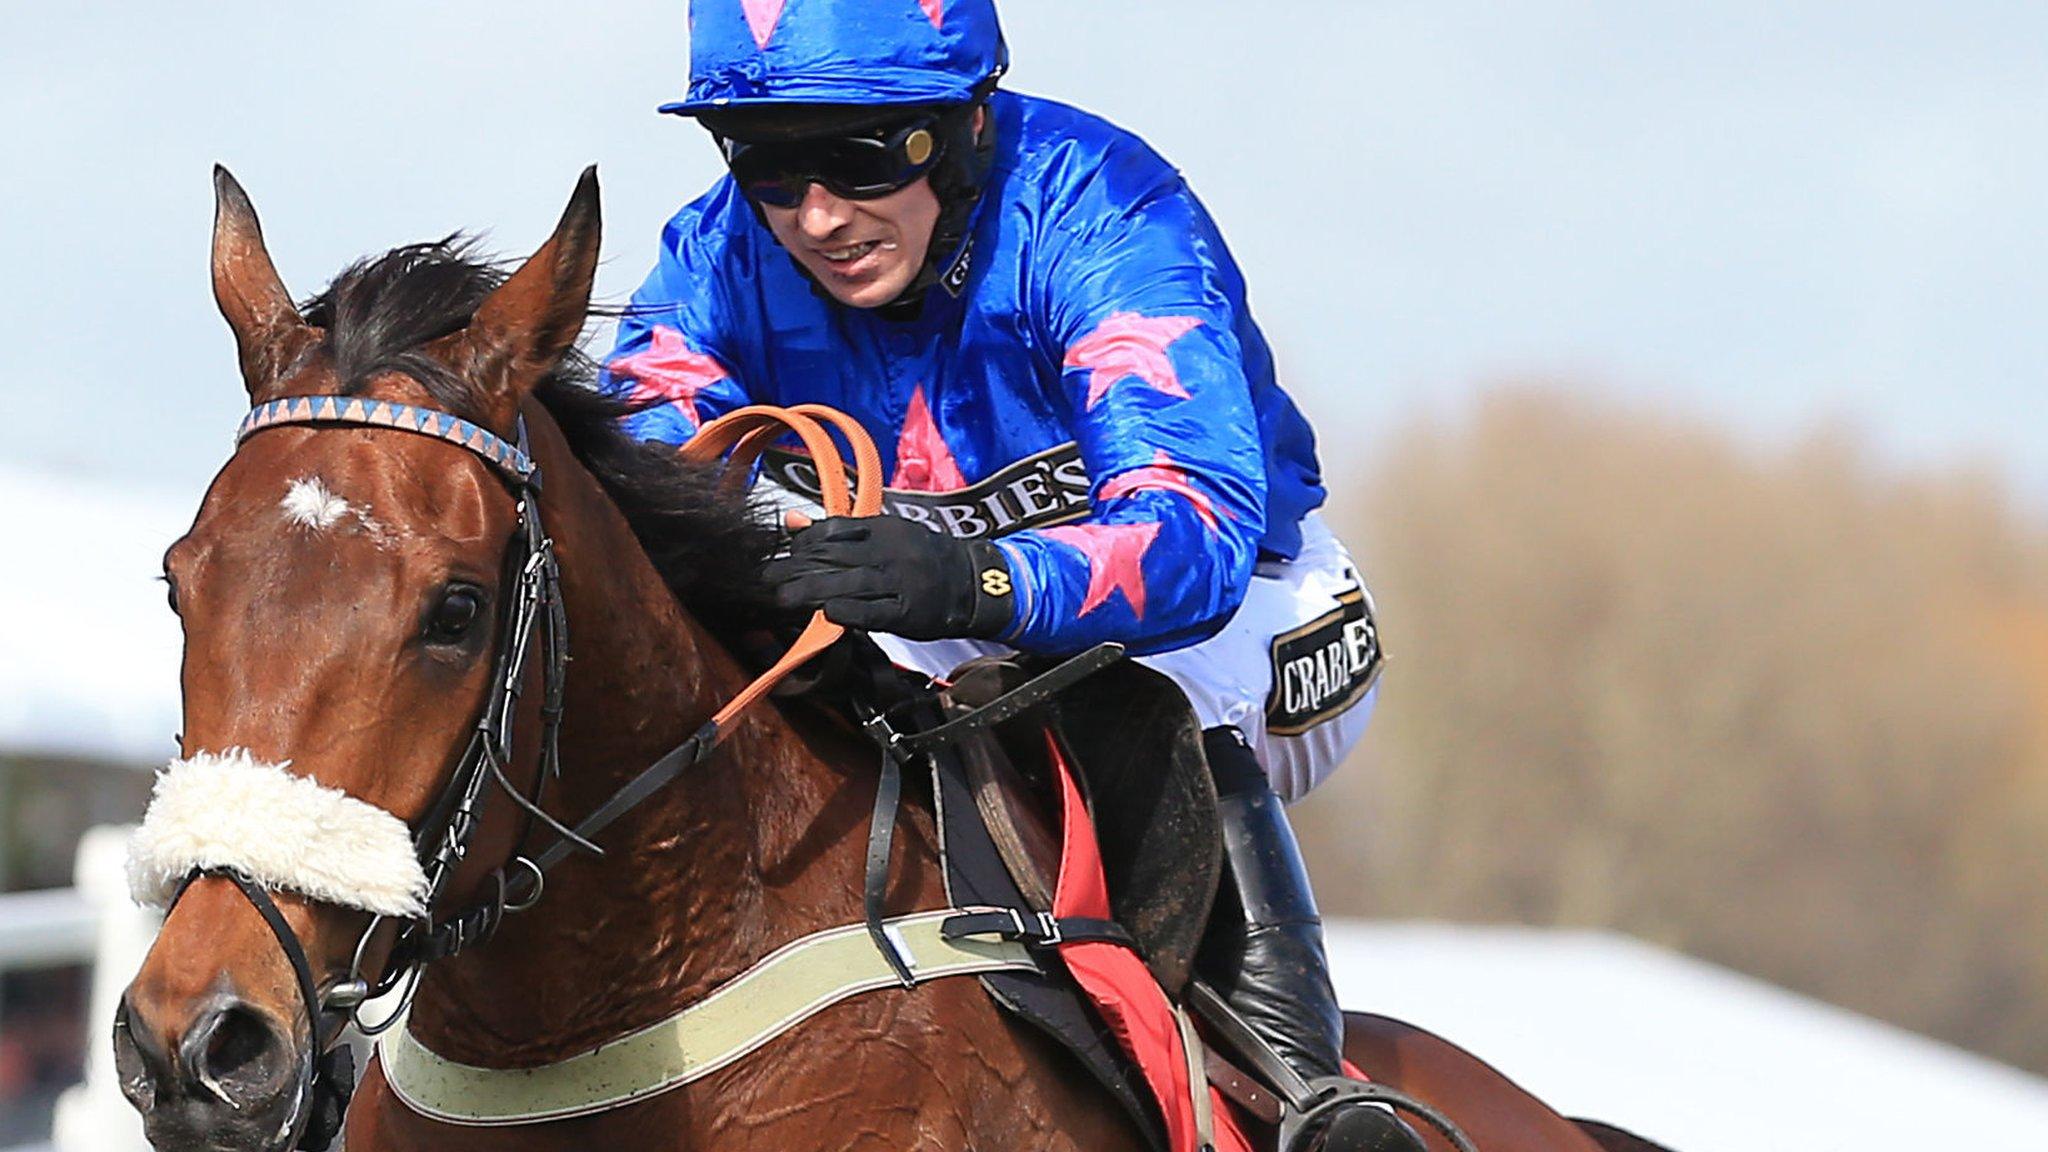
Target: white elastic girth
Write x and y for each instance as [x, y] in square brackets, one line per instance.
[285, 832]
[781, 990]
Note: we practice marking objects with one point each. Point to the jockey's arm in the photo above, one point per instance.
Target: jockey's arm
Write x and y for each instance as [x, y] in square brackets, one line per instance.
[667, 361]
[1153, 375]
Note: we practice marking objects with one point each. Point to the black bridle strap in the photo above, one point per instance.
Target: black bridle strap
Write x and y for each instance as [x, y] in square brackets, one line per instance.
[522, 887]
[651, 780]
[897, 748]
[293, 950]
[325, 1081]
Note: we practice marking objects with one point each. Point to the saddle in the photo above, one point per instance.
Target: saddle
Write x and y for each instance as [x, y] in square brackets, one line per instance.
[1127, 737]
[1134, 740]
[1074, 810]
[1113, 905]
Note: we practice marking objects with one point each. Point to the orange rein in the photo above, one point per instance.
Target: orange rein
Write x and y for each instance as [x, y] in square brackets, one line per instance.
[741, 436]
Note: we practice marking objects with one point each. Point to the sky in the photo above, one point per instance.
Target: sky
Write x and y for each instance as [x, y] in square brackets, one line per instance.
[1774, 216]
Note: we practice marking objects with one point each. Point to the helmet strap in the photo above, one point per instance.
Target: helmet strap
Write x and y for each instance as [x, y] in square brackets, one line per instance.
[958, 181]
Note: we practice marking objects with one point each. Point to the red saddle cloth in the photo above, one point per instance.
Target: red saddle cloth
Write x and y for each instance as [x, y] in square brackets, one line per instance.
[1122, 989]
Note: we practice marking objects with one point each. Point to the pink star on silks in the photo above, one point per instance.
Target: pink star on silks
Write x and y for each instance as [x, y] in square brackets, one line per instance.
[936, 9]
[1128, 344]
[669, 369]
[761, 18]
[1163, 475]
[924, 462]
[1116, 554]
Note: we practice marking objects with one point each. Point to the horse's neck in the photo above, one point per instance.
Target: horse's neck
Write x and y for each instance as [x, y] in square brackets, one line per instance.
[698, 880]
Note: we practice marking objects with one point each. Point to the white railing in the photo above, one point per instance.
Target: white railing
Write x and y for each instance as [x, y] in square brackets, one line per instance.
[94, 923]
[46, 929]
[53, 928]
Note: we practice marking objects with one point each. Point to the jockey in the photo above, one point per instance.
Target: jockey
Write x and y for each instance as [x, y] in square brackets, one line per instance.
[1049, 340]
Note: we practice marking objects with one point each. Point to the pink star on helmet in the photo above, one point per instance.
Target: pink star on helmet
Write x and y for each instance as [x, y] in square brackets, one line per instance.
[761, 18]
[1163, 475]
[1116, 555]
[1128, 344]
[924, 462]
[936, 9]
[669, 369]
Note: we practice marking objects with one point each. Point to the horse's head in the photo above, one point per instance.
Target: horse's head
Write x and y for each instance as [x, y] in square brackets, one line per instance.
[342, 592]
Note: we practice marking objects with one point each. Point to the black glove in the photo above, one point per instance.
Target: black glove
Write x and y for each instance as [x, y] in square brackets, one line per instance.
[888, 574]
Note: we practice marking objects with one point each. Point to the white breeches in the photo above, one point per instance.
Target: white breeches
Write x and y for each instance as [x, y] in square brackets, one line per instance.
[1296, 669]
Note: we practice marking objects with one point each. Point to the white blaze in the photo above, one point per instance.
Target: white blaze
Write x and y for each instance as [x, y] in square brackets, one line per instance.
[310, 503]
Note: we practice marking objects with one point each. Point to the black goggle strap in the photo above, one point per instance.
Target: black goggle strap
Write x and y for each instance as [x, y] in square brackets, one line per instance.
[876, 140]
[900, 155]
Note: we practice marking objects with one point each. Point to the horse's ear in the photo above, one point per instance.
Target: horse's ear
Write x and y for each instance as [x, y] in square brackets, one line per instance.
[268, 330]
[522, 329]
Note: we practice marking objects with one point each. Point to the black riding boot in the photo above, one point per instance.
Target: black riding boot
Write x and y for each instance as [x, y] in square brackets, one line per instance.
[1264, 948]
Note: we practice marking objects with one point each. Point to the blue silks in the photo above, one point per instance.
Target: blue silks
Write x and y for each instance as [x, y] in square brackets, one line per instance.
[1088, 386]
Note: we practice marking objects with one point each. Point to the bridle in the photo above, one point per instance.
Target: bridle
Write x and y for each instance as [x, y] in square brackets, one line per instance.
[533, 615]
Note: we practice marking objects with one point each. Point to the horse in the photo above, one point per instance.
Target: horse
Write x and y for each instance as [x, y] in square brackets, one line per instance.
[346, 592]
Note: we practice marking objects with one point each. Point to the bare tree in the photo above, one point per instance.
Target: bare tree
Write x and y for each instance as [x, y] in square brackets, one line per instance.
[1777, 709]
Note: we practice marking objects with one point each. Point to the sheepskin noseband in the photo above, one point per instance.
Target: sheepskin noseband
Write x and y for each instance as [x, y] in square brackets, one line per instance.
[285, 832]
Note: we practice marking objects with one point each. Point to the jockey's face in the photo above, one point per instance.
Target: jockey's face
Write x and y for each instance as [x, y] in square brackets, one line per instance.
[865, 252]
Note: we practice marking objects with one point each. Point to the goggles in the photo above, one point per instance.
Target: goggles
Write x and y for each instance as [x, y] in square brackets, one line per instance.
[860, 166]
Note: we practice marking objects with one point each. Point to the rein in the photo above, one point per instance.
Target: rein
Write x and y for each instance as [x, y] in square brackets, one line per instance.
[739, 437]
[536, 612]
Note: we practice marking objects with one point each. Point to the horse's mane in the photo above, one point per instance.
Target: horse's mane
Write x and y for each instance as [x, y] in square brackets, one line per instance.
[381, 313]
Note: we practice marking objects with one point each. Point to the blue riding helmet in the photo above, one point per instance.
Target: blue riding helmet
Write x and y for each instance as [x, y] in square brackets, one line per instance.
[802, 69]
[763, 52]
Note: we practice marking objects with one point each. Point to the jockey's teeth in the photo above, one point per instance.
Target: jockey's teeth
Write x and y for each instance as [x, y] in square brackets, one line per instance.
[852, 252]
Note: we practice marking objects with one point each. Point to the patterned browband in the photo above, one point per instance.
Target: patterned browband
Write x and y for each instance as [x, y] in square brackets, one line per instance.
[495, 450]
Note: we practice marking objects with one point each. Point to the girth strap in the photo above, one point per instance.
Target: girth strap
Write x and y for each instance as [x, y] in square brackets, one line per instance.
[784, 989]
[1037, 929]
[881, 838]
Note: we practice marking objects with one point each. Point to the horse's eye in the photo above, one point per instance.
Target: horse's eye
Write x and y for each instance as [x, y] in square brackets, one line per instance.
[460, 608]
[170, 592]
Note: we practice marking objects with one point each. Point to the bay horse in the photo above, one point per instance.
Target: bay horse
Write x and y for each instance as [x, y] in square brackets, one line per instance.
[343, 591]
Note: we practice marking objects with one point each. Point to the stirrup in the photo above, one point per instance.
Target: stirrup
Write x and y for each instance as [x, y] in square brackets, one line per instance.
[1300, 1128]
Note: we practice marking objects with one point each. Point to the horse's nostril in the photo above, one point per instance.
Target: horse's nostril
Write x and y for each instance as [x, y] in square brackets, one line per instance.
[211, 1071]
[234, 1054]
[241, 1039]
[137, 1061]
